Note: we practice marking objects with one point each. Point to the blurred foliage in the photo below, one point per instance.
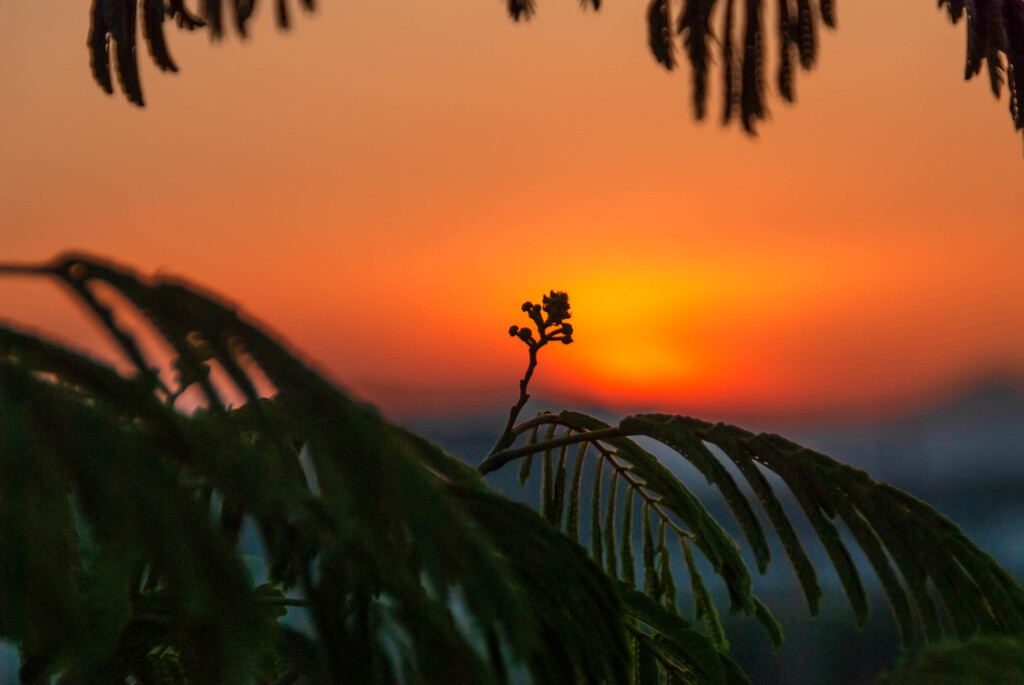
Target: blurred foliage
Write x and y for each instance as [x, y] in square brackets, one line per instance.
[995, 40]
[129, 501]
[988, 660]
[120, 520]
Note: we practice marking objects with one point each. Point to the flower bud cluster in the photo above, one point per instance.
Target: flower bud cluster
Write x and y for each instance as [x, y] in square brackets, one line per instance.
[550, 317]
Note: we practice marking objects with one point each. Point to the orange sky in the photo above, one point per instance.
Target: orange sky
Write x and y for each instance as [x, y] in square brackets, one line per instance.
[386, 183]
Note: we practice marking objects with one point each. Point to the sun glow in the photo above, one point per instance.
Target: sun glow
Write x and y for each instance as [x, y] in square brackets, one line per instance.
[631, 334]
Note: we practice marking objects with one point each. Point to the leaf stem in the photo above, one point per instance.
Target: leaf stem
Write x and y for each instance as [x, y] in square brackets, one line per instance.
[496, 460]
[638, 486]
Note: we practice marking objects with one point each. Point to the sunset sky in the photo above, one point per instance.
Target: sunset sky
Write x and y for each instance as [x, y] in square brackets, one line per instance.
[387, 182]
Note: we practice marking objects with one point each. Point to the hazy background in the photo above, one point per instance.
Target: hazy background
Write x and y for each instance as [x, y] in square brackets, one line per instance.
[385, 184]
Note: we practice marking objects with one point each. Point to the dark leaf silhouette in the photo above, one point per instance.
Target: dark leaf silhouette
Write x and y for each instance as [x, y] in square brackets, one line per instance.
[1013, 23]
[99, 37]
[828, 13]
[659, 33]
[113, 34]
[153, 15]
[995, 34]
[212, 16]
[243, 10]
[805, 33]
[753, 68]
[786, 43]
[696, 31]
[282, 14]
[176, 10]
[520, 9]
[123, 34]
[730, 92]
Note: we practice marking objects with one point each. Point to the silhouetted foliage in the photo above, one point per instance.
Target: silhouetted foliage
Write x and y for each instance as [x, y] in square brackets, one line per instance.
[995, 36]
[995, 33]
[121, 518]
[987, 660]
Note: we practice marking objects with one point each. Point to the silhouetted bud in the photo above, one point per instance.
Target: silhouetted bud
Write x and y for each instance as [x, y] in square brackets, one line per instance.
[537, 317]
[557, 306]
[549, 328]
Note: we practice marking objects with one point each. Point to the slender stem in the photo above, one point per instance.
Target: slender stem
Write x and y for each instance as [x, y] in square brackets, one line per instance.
[507, 437]
[540, 420]
[561, 331]
[496, 460]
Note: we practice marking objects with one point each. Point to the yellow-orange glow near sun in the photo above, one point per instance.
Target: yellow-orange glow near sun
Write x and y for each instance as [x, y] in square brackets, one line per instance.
[628, 331]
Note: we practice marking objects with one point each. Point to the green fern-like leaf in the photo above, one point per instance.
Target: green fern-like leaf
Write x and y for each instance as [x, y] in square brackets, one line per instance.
[926, 565]
[666, 583]
[596, 536]
[626, 541]
[611, 564]
[573, 515]
[547, 479]
[651, 578]
[558, 496]
[527, 464]
[704, 607]
[685, 652]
